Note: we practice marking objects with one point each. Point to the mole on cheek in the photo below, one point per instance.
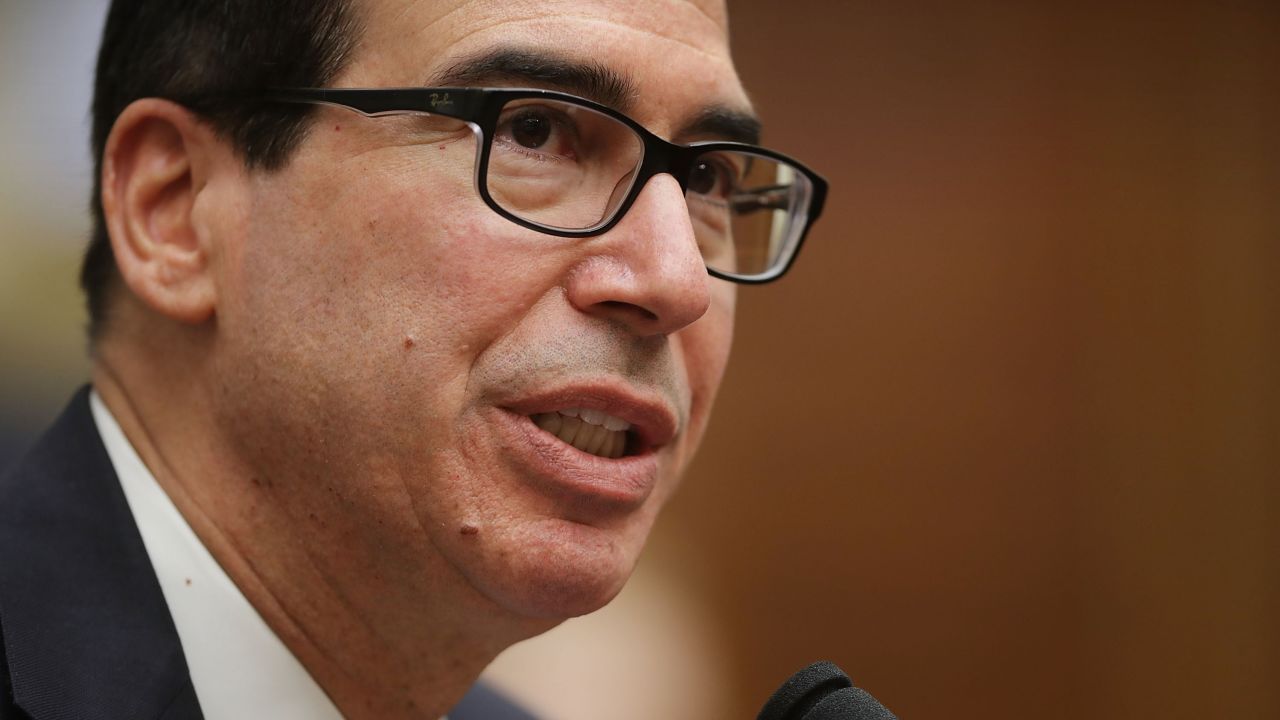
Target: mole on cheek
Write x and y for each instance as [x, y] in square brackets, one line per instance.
[408, 342]
[468, 529]
[337, 128]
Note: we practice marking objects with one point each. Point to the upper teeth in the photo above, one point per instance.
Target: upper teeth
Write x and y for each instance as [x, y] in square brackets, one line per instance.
[590, 431]
[596, 417]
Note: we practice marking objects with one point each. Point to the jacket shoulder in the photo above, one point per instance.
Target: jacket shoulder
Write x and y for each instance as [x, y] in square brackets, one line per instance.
[485, 703]
[86, 631]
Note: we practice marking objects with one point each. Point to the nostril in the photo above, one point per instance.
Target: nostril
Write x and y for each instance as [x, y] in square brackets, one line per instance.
[617, 306]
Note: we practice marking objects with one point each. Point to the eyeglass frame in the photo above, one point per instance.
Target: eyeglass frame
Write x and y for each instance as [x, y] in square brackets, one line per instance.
[480, 109]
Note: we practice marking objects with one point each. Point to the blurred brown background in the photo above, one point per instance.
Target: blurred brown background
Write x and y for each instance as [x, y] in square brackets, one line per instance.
[1006, 443]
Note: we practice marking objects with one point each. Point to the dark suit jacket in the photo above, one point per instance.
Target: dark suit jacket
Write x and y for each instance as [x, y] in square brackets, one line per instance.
[84, 629]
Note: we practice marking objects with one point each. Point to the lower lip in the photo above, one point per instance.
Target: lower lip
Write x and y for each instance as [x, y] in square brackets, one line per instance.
[556, 468]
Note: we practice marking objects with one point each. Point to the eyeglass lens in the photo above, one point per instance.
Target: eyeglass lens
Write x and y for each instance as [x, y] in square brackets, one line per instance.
[569, 167]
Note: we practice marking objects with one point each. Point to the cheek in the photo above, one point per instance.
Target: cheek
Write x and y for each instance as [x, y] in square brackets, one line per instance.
[709, 347]
[385, 256]
[705, 349]
[384, 291]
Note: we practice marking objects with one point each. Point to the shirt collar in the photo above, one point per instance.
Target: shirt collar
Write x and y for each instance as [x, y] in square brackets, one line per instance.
[239, 667]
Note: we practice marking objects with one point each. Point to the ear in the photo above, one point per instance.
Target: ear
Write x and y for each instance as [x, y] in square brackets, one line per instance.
[158, 158]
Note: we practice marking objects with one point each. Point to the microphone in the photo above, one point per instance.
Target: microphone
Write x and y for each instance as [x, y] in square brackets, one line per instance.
[822, 692]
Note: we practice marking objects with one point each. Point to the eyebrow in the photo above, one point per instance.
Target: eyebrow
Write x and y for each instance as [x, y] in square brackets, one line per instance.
[524, 67]
[594, 81]
[723, 122]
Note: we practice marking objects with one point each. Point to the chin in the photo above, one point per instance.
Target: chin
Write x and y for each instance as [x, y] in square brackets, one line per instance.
[557, 571]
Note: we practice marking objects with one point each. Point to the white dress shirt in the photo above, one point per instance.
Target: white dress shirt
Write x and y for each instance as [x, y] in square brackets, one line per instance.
[239, 667]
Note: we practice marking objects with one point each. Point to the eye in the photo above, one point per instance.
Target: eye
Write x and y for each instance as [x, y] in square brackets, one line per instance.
[713, 177]
[530, 130]
[539, 131]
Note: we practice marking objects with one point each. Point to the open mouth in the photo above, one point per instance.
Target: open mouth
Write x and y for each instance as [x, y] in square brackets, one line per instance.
[590, 431]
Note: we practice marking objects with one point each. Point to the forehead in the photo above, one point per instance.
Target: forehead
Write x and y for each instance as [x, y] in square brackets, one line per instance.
[675, 52]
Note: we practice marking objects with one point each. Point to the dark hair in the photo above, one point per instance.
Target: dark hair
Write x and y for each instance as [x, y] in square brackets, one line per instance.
[210, 56]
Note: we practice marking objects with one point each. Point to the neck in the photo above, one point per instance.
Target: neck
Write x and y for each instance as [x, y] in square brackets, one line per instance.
[384, 626]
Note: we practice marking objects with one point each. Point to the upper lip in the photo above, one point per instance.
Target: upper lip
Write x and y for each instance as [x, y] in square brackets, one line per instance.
[653, 419]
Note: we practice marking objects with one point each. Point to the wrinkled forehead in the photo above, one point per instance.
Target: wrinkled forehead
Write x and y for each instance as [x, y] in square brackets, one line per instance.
[672, 51]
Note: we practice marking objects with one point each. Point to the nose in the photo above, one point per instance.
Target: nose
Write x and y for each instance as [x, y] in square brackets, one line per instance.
[647, 271]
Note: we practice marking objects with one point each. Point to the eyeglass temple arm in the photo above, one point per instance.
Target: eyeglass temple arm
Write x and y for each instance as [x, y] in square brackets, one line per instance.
[461, 104]
[775, 197]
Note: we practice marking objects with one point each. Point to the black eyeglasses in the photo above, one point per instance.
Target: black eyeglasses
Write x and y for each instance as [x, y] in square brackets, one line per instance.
[571, 167]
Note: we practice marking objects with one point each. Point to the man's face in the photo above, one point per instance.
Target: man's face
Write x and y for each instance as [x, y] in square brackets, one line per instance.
[390, 346]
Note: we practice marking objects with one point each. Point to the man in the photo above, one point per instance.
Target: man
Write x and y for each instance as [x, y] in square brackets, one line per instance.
[384, 380]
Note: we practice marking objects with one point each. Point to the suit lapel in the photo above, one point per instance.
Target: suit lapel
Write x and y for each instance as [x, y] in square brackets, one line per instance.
[86, 630]
[484, 703]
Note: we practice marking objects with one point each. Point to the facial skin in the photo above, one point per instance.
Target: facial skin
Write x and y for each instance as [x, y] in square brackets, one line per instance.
[361, 341]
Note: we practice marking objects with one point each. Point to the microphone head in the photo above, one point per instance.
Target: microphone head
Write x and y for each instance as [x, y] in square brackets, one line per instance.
[803, 690]
[822, 691]
[849, 703]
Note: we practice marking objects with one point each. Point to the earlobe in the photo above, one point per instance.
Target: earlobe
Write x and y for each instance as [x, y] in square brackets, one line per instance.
[155, 164]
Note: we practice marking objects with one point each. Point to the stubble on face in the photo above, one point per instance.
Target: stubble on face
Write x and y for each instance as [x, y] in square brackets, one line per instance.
[388, 320]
